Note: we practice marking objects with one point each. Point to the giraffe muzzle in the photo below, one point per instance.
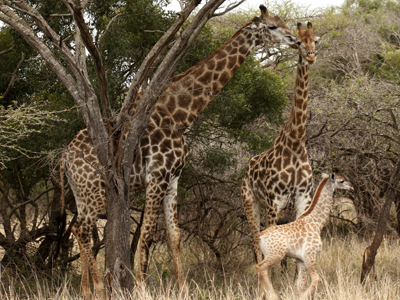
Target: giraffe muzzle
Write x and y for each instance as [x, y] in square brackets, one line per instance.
[311, 59]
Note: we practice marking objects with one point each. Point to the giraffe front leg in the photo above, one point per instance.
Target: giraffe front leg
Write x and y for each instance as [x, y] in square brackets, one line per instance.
[171, 223]
[252, 210]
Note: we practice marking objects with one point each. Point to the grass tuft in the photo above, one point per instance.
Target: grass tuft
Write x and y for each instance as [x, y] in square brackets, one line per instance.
[339, 265]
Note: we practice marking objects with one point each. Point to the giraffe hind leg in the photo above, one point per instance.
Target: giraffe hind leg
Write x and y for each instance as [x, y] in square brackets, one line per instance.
[274, 249]
[82, 233]
[263, 270]
[311, 267]
[154, 198]
[85, 284]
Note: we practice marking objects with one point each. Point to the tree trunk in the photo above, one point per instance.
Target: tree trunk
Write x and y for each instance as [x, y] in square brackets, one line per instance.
[117, 234]
[397, 204]
[135, 239]
[371, 251]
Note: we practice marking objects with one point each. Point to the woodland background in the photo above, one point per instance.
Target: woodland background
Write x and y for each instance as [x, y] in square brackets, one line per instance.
[353, 124]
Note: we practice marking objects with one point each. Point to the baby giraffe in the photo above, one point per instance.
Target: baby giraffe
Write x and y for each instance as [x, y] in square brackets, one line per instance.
[299, 239]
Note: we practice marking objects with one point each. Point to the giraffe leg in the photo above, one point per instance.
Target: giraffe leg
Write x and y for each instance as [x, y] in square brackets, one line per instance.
[274, 248]
[311, 266]
[252, 209]
[154, 198]
[85, 285]
[171, 223]
[263, 270]
[301, 276]
[82, 231]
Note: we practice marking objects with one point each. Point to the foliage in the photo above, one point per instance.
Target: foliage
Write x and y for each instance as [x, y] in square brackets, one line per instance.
[354, 102]
[20, 123]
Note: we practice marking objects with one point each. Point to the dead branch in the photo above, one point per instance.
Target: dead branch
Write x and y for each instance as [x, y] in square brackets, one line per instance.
[13, 77]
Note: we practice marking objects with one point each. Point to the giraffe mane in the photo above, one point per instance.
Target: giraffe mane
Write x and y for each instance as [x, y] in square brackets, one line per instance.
[315, 199]
[179, 76]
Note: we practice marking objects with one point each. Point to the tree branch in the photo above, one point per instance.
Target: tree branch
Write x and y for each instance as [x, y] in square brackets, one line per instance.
[88, 41]
[108, 27]
[6, 51]
[230, 7]
[13, 76]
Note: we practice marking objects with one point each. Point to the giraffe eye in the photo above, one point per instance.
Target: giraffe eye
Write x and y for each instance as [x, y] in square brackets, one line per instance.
[272, 27]
[316, 42]
[299, 43]
[341, 181]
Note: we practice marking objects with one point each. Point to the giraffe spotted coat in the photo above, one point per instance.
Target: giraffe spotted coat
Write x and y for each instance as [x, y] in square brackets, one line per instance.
[163, 151]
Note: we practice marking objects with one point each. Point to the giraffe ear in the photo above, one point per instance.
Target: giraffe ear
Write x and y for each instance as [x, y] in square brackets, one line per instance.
[324, 175]
[300, 28]
[264, 13]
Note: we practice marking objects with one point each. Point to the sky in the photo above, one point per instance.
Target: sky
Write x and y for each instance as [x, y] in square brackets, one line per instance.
[256, 3]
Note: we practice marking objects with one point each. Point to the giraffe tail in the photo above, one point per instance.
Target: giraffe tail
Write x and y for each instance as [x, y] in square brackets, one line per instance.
[61, 217]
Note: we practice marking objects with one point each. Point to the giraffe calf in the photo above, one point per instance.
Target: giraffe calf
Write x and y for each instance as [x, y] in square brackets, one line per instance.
[300, 239]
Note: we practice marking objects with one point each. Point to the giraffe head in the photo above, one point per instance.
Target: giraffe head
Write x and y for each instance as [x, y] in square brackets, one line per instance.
[337, 180]
[270, 29]
[306, 43]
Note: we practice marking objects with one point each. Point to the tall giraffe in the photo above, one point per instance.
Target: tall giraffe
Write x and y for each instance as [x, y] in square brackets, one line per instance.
[300, 239]
[282, 175]
[163, 151]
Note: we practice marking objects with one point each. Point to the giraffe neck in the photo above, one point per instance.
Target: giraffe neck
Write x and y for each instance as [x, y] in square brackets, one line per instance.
[295, 127]
[190, 92]
[321, 205]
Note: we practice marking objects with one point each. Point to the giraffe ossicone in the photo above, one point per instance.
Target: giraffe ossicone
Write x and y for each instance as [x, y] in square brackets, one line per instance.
[163, 151]
[282, 176]
[300, 239]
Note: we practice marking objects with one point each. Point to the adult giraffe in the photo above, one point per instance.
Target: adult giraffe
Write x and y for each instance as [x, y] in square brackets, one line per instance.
[283, 172]
[163, 151]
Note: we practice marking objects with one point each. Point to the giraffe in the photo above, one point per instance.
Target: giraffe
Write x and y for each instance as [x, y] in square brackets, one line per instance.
[282, 175]
[300, 239]
[163, 151]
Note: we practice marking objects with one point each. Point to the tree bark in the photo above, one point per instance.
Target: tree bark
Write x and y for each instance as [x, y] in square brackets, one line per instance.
[371, 251]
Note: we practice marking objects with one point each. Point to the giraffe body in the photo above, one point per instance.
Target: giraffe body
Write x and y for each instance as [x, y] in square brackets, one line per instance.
[163, 151]
[282, 176]
[300, 239]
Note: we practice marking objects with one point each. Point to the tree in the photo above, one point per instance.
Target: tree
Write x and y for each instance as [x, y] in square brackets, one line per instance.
[114, 153]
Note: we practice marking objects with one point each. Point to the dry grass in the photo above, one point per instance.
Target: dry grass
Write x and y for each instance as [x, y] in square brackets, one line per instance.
[339, 267]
